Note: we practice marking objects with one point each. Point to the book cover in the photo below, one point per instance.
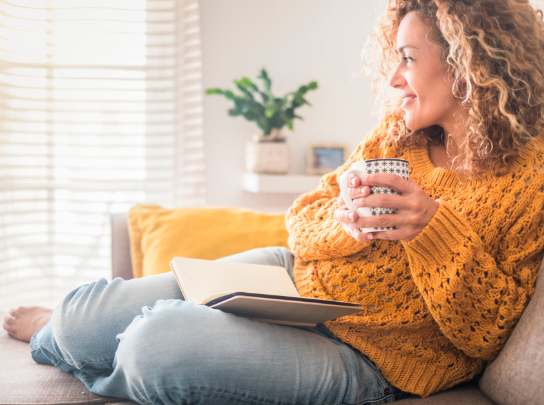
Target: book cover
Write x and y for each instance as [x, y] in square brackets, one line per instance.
[259, 292]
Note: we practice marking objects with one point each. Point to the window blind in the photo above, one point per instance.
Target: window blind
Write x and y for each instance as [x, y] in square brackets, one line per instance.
[100, 109]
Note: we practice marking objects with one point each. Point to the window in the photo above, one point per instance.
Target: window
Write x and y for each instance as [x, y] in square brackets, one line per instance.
[100, 109]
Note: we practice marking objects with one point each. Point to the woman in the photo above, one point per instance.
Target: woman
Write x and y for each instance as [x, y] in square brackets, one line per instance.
[441, 293]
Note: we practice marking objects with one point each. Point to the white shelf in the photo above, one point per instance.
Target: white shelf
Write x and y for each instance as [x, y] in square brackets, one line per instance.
[279, 183]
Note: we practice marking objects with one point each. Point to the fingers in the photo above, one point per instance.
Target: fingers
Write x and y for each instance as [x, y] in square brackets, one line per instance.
[354, 193]
[354, 181]
[355, 187]
[381, 200]
[380, 221]
[401, 222]
[341, 202]
[353, 228]
[356, 190]
[359, 192]
[397, 183]
[345, 216]
[355, 233]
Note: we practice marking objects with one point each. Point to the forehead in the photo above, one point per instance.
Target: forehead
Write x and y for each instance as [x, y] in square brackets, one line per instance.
[412, 32]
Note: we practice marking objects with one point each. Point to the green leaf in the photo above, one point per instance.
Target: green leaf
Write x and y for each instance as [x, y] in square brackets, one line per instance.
[250, 116]
[244, 90]
[256, 107]
[248, 84]
[270, 111]
[290, 113]
[298, 100]
[266, 80]
[214, 91]
[244, 81]
[263, 124]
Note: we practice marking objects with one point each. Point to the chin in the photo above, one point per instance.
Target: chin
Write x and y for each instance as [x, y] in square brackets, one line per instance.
[414, 124]
[410, 123]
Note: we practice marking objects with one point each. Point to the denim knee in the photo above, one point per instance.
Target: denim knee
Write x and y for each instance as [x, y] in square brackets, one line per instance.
[179, 349]
[174, 333]
[80, 325]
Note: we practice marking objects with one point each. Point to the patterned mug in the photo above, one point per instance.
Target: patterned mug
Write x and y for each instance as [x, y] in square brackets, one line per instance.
[371, 166]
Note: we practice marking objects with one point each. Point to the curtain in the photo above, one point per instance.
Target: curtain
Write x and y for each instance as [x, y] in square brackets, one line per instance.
[100, 109]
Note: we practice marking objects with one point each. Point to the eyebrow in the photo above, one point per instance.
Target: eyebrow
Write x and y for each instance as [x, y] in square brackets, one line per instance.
[402, 48]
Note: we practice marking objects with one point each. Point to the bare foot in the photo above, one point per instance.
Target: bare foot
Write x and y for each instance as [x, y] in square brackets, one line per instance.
[23, 322]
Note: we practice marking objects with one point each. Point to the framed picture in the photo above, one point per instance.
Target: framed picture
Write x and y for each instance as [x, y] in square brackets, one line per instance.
[323, 158]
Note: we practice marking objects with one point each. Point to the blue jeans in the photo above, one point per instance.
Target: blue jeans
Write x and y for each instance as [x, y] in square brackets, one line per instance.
[139, 340]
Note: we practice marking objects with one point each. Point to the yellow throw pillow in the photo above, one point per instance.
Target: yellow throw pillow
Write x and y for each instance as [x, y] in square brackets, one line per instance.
[157, 234]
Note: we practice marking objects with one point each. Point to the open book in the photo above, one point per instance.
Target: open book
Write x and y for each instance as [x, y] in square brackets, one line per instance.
[263, 293]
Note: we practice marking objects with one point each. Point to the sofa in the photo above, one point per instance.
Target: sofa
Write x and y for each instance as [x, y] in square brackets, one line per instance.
[515, 377]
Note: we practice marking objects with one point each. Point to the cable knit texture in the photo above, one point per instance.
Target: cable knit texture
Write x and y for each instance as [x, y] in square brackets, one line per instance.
[437, 307]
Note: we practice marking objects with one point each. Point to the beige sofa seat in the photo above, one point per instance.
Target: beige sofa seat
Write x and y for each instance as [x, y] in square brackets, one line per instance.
[22, 381]
[516, 377]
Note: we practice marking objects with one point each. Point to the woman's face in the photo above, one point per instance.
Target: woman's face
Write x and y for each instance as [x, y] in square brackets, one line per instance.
[422, 79]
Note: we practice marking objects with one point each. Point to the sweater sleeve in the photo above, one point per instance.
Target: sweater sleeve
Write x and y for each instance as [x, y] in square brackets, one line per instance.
[314, 234]
[475, 298]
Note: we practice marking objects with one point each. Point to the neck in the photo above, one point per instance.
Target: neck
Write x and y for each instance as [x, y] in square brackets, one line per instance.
[444, 154]
[454, 133]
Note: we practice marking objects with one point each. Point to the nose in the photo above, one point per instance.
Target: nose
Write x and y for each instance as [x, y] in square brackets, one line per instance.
[397, 79]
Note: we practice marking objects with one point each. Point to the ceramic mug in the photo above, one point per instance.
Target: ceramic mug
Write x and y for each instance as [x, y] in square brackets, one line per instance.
[371, 166]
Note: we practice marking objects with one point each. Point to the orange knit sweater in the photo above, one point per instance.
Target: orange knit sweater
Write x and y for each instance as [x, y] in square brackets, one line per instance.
[436, 308]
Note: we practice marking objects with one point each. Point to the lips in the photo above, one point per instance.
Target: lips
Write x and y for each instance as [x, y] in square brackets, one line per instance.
[407, 98]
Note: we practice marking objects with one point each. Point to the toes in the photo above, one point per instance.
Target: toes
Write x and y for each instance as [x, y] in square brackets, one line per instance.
[9, 319]
[15, 312]
[8, 322]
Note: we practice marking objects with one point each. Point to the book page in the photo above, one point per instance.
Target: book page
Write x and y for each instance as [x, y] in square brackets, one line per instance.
[201, 279]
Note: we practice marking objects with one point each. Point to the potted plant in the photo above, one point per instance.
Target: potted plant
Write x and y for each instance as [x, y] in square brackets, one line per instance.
[267, 152]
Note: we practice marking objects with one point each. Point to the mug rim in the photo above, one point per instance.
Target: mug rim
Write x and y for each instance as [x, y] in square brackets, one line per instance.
[382, 159]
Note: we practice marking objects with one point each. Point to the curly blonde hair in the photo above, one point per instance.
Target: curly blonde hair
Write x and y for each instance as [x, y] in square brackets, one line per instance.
[495, 51]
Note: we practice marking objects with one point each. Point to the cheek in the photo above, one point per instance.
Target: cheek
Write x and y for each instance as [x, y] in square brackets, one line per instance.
[434, 102]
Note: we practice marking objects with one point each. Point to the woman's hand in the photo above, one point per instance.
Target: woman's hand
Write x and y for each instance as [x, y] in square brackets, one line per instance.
[414, 208]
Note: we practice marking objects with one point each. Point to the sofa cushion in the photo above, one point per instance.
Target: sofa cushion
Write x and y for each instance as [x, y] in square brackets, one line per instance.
[157, 234]
[463, 394]
[516, 376]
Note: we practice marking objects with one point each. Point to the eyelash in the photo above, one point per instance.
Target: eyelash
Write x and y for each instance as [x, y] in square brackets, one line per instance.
[408, 59]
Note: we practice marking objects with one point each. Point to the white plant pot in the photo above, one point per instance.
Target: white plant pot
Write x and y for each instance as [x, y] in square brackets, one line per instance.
[268, 157]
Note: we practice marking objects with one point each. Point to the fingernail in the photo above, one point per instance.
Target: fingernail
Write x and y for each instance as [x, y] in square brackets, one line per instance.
[369, 236]
[351, 216]
[352, 181]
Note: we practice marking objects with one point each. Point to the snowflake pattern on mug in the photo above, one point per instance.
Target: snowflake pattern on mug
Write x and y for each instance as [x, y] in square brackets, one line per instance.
[394, 166]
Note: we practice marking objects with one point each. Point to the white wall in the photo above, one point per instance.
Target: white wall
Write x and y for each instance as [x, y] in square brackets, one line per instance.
[297, 41]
